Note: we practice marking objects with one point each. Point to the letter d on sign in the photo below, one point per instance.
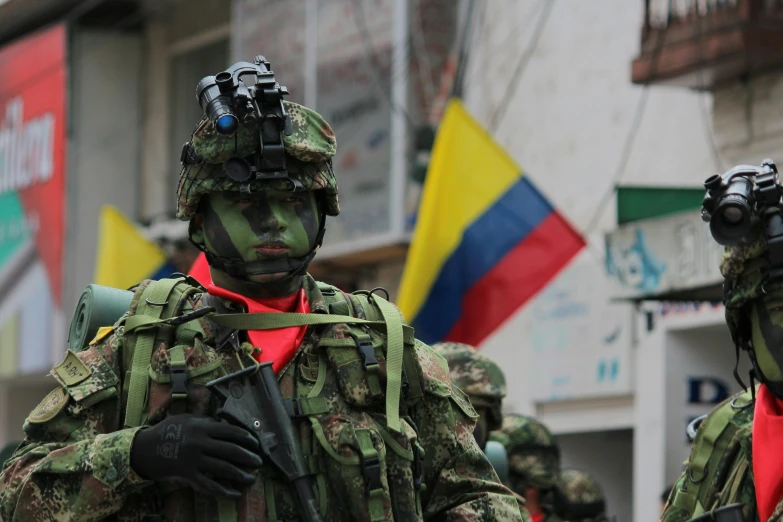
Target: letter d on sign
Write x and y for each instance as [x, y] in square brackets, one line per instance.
[706, 390]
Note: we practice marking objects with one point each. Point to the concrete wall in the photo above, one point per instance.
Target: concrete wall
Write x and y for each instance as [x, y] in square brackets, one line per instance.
[104, 144]
[567, 121]
[749, 120]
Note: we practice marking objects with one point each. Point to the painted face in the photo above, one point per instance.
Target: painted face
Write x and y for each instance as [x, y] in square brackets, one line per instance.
[767, 335]
[266, 224]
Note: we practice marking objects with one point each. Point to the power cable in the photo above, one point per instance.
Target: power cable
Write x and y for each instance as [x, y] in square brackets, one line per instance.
[630, 139]
[524, 59]
[462, 58]
[369, 48]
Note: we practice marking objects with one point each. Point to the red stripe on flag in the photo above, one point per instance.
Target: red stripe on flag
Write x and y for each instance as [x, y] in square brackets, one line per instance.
[519, 276]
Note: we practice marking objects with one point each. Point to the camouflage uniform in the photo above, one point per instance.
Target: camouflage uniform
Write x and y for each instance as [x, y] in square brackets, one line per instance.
[478, 376]
[534, 460]
[583, 496]
[483, 380]
[727, 478]
[75, 461]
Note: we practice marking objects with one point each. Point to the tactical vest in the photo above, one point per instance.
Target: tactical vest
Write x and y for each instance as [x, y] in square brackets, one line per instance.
[364, 345]
[718, 471]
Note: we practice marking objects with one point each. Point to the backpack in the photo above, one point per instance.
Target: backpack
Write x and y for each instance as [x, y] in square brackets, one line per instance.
[391, 380]
[718, 469]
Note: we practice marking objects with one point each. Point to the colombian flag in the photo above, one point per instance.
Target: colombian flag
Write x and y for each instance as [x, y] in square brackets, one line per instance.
[486, 240]
[125, 256]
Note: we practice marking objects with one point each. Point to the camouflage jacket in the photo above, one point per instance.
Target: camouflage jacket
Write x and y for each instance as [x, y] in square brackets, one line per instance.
[74, 462]
[727, 477]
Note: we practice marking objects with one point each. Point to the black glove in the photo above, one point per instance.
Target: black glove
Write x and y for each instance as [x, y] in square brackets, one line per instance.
[213, 458]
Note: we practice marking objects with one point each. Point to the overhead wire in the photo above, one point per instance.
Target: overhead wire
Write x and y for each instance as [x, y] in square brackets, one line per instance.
[636, 123]
[519, 69]
[369, 47]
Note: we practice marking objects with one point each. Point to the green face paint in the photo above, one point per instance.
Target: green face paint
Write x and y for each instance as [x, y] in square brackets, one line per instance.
[767, 335]
[263, 225]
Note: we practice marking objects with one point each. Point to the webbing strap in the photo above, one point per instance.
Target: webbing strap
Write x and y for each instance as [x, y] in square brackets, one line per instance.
[273, 320]
[705, 441]
[269, 495]
[394, 353]
[227, 510]
[371, 469]
[151, 305]
[178, 371]
[704, 444]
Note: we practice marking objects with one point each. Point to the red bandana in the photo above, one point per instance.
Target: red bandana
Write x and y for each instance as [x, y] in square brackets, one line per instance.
[278, 345]
[767, 452]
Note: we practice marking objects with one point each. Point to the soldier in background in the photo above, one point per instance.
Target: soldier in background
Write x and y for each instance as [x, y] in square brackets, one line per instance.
[534, 465]
[584, 499]
[483, 381]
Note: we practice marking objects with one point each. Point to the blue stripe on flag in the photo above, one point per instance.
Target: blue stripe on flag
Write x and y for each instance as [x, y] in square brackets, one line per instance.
[484, 243]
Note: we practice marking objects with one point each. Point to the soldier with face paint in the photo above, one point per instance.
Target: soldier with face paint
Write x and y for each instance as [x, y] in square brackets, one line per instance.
[382, 432]
[736, 462]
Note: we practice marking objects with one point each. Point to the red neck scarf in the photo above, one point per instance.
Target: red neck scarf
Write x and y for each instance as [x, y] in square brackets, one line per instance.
[767, 452]
[278, 345]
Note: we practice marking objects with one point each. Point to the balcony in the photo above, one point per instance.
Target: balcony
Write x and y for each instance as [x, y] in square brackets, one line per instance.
[701, 44]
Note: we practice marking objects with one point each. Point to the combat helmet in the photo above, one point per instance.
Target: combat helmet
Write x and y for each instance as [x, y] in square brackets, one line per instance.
[533, 454]
[213, 161]
[478, 376]
[584, 499]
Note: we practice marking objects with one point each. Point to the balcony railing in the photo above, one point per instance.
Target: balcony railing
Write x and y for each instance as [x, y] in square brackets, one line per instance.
[704, 43]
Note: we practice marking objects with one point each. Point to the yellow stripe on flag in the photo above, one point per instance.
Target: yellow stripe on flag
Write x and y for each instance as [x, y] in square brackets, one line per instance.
[125, 256]
[468, 172]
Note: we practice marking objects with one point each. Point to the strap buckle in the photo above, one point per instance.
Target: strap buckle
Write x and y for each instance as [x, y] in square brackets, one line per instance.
[294, 408]
[371, 469]
[367, 352]
[179, 378]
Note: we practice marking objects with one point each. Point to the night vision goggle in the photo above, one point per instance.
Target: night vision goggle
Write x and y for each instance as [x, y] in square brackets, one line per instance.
[246, 94]
[741, 197]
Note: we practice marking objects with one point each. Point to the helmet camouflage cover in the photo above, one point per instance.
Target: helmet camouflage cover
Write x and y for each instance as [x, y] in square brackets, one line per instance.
[309, 150]
[744, 267]
[478, 376]
[533, 454]
[583, 494]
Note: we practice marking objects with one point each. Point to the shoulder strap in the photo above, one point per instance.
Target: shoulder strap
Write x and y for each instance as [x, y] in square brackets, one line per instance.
[714, 435]
[158, 300]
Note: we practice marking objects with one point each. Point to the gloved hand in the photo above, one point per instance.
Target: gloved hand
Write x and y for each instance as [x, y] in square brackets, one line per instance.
[213, 458]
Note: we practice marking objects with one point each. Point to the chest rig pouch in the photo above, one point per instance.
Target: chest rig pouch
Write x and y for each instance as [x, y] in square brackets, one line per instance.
[375, 468]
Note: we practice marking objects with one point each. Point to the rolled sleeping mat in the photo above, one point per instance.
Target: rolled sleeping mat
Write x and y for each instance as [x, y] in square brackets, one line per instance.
[98, 306]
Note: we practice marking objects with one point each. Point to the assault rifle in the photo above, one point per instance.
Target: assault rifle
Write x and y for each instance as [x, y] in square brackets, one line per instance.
[252, 400]
[730, 513]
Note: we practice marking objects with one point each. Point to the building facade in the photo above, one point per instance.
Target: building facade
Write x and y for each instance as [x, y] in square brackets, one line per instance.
[586, 96]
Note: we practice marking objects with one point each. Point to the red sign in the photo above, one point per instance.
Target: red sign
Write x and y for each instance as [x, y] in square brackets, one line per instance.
[32, 147]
